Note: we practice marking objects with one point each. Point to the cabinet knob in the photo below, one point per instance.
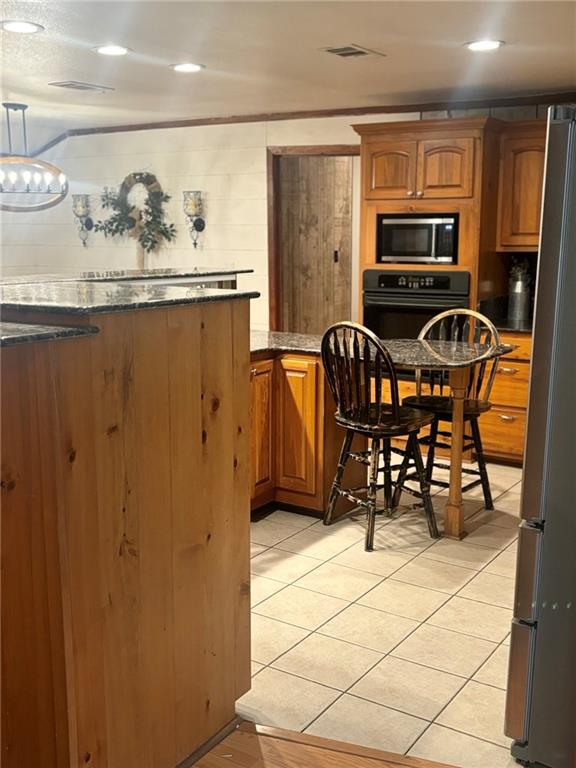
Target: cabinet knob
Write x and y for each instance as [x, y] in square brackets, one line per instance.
[505, 417]
[410, 193]
[508, 371]
[419, 193]
[253, 372]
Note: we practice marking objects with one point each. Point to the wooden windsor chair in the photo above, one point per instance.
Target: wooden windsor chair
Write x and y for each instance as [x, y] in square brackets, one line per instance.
[357, 367]
[433, 393]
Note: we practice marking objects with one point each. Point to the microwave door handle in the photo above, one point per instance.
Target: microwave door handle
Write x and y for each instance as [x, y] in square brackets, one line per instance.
[434, 244]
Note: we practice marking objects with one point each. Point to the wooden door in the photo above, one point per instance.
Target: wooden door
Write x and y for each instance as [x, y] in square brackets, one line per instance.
[445, 168]
[315, 242]
[390, 170]
[521, 180]
[262, 422]
[296, 424]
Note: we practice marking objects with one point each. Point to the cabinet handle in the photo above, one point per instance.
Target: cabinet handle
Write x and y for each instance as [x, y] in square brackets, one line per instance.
[505, 417]
[508, 371]
[410, 193]
[253, 372]
[419, 193]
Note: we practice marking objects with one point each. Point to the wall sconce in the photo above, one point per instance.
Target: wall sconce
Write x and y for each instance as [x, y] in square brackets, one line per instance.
[194, 211]
[81, 211]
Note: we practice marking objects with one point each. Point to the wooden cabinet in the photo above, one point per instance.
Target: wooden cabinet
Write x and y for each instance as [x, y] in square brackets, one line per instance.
[262, 421]
[296, 413]
[426, 168]
[522, 151]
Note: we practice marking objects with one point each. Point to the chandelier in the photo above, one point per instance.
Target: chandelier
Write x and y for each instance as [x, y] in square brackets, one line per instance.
[28, 183]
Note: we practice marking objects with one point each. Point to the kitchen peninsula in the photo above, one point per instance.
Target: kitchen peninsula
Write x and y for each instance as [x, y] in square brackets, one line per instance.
[125, 521]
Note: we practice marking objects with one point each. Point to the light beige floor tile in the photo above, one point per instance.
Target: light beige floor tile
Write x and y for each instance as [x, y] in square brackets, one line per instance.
[403, 599]
[282, 566]
[320, 545]
[495, 670]
[408, 535]
[445, 650]
[328, 661]
[271, 638]
[497, 517]
[349, 528]
[490, 588]
[452, 748]
[409, 687]
[261, 588]
[493, 536]
[460, 553]
[292, 519]
[256, 667]
[301, 607]
[470, 505]
[268, 533]
[256, 549]
[369, 628]
[509, 502]
[368, 724]
[473, 618]
[512, 547]
[513, 475]
[504, 564]
[380, 562]
[339, 581]
[283, 700]
[433, 574]
[479, 711]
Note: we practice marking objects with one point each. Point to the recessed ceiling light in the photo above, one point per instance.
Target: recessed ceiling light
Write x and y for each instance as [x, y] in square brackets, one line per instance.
[187, 66]
[112, 50]
[21, 27]
[484, 45]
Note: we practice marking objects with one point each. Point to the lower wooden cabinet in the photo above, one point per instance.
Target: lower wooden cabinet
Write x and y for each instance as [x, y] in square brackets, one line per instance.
[295, 440]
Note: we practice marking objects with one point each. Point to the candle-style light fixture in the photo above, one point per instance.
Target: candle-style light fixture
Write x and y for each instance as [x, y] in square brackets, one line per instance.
[81, 211]
[28, 183]
[194, 210]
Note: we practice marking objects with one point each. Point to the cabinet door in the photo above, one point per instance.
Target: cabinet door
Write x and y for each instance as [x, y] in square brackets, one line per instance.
[390, 170]
[296, 424]
[262, 423]
[445, 168]
[521, 179]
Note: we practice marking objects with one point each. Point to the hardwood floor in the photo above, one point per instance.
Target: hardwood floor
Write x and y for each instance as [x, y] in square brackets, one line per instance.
[257, 746]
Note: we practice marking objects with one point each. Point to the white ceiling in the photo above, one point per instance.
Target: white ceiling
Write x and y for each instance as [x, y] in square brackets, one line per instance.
[265, 57]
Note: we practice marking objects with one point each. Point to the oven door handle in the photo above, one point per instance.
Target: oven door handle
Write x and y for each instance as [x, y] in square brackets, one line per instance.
[439, 302]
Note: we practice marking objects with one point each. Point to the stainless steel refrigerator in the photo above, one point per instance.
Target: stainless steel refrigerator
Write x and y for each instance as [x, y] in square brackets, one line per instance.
[541, 699]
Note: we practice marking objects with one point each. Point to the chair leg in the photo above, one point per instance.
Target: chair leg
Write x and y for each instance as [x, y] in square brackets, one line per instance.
[488, 503]
[431, 449]
[387, 454]
[337, 484]
[424, 487]
[373, 483]
[402, 472]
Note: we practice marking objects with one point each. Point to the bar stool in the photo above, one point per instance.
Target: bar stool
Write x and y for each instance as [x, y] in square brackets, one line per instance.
[457, 325]
[356, 363]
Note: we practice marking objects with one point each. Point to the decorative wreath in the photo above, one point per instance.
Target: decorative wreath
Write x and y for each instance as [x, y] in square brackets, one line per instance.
[145, 223]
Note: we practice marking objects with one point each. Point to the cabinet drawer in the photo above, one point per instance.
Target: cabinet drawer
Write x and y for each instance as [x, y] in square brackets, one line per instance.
[521, 340]
[511, 384]
[502, 431]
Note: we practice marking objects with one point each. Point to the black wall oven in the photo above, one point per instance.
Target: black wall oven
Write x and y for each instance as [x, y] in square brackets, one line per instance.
[397, 303]
[417, 238]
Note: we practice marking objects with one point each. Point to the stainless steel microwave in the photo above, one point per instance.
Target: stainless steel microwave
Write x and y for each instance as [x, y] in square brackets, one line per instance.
[415, 238]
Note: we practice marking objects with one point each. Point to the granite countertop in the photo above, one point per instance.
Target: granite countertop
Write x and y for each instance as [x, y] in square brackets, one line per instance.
[24, 333]
[84, 298]
[405, 353]
[114, 275]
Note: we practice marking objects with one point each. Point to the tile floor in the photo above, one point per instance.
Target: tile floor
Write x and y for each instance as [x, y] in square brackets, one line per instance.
[405, 648]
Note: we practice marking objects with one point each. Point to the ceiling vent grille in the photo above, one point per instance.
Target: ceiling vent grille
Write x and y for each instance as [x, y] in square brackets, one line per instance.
[352, 51]
[77, 85]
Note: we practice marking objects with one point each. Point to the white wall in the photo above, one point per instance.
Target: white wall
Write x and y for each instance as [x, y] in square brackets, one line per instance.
[226, 162]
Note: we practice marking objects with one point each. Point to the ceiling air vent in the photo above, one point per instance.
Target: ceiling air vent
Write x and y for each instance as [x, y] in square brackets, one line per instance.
[352, 51]
[77, 85]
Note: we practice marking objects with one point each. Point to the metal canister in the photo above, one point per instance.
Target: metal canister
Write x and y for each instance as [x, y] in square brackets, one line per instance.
[519, 300]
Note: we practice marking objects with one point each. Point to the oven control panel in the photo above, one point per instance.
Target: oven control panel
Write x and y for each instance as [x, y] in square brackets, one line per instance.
[409, 280]
[415, 282]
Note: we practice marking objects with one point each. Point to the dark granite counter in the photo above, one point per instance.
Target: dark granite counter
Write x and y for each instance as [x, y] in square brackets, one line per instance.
[114, 275]
[85, 298]
[23, 333]
[406, 353]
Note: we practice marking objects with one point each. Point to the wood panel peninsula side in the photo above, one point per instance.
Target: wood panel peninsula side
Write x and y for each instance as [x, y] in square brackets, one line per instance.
[125, 524]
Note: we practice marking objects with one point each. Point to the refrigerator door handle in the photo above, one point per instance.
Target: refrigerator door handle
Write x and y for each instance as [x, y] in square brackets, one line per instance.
[529, 542]
[518, 698]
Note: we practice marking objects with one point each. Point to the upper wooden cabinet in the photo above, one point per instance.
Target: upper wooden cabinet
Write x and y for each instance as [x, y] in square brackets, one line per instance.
[522, 152]
[429, 168]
